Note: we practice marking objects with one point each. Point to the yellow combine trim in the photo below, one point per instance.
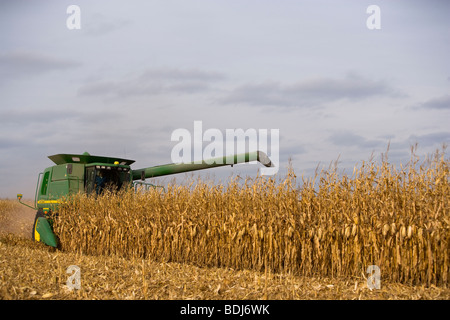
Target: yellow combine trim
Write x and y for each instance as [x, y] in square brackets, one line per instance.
[37, 236]
[49, 201]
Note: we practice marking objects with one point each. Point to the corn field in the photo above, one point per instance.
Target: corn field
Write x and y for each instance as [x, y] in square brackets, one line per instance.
[5, 207]
[330, 225]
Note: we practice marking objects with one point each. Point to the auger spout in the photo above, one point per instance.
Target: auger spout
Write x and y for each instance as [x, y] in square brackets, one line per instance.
[174, 168]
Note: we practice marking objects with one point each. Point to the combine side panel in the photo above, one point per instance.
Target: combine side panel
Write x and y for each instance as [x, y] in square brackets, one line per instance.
[42, 231]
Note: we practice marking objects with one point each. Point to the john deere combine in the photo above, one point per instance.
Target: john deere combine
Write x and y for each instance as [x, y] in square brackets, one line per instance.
[73, 173]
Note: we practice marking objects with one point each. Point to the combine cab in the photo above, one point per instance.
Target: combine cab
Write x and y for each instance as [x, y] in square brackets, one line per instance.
[92, 174]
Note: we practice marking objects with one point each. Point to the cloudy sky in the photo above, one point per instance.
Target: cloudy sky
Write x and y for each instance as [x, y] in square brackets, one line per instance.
[138, 70]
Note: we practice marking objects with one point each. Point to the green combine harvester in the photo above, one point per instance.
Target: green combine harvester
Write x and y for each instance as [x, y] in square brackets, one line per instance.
[73, 173]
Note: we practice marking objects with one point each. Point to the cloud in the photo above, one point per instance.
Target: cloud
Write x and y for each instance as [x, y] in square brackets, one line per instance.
[292, 151]
[27, 116]
[10, 143]
[181, 75]
[430, 139]
[26, 63]
[440, 103]
[349, 139]
[155, 81]
[99, 24]
[309, 92]
[344, 139]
